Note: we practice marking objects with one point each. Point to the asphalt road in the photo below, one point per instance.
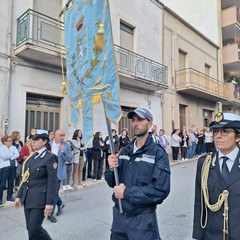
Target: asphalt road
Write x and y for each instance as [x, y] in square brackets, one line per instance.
[88, 212]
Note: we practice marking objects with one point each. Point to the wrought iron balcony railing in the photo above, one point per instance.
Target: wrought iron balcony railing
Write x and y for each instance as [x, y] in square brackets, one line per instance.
[140, 66]
[37, 28]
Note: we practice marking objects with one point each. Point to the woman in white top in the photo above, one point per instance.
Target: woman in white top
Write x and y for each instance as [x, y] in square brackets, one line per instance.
[208, 140]
[175, 144]
[78, 162]
[8, 164]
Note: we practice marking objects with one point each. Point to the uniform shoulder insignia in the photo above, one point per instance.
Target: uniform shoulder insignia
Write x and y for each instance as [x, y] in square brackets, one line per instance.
[55, 165]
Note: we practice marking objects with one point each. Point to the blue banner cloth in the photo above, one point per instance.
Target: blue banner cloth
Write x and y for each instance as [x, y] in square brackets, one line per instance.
[92, 75]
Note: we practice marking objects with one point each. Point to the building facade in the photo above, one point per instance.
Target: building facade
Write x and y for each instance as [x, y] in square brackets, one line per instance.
[196, 88]
[30, 64]
[218, 20]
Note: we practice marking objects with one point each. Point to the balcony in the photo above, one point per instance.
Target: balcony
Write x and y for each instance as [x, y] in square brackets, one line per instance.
[234, 96]
[230, 16]
[231, 59]
[137, 71]
[39, 38]
[192, 82]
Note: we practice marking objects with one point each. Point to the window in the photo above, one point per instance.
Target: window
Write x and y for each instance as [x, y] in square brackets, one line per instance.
[207, 117]
[182, 59]
[126, 36]
[207, 70]
[42, 112]
[182, 115]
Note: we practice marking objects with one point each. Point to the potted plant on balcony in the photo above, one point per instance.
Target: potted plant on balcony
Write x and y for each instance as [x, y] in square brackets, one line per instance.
[233, 79]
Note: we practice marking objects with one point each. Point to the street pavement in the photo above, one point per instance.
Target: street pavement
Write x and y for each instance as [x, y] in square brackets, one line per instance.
[88, 211]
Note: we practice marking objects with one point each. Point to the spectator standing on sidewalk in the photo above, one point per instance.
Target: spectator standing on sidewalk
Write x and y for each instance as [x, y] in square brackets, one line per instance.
[184, 144]
[123, 139]
[163, 139]
[107, 144]
[8, 164]
[98, 156]
[192, 142]
[200, 141]
[175, 144]
[66, 182]
[208, 140]
[64, 155]
[89, 159]
[78, 161]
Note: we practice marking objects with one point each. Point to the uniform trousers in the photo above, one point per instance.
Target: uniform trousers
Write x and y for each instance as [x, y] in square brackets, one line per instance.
[141, 227]
[34, 219]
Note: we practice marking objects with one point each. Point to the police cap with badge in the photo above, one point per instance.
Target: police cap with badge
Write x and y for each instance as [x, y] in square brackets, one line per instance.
[225, 120]
[43, 134]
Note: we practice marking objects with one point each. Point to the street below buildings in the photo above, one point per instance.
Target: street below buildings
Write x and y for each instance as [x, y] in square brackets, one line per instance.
[88, 211]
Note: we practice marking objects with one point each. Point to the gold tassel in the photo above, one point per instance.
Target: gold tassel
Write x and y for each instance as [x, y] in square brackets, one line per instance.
[99, 40]
[64, 88]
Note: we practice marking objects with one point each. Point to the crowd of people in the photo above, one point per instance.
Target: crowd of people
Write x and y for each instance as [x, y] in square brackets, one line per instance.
[45, 162]
[76, 162]
[192, 143]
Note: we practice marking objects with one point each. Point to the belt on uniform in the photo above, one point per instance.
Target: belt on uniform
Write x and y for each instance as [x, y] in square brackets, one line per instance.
[145, 210]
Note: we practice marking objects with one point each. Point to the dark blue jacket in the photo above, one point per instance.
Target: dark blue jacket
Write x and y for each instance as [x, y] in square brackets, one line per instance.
[41, 187]
[146, 175]
[216, 185]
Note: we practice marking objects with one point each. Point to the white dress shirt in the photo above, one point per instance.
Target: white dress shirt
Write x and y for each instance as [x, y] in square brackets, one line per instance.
[231, 158]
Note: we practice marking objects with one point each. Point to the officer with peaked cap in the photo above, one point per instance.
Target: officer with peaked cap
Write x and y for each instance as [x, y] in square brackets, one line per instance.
[38, 188]
[217, 188]
[144, 177]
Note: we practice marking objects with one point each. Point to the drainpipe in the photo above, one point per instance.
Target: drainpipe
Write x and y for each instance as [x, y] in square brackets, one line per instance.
[173, 80]
[8, 78]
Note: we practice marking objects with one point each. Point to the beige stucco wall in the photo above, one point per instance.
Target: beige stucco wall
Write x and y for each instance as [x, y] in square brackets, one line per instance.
[200, 51]
[203, 15]
[27, 77]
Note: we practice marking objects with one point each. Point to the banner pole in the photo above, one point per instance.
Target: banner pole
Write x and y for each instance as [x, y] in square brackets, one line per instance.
[60, 14]
[109, 130]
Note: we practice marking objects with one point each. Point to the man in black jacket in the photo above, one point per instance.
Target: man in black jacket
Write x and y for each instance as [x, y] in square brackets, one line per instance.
[144, 177]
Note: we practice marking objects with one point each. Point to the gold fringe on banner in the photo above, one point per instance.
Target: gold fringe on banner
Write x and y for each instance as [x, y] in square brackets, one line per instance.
[110, 97]
[96, 98]
[80, 103]
[99, 41]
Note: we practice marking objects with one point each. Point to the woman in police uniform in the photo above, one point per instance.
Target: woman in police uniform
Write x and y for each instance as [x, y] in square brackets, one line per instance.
[39, 186]
[217, 190]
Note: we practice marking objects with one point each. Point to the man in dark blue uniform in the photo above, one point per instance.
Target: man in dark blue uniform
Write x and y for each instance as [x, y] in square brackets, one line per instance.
[217, 190]
[144, 177]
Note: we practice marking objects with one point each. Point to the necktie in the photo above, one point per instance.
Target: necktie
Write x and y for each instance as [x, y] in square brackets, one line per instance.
[35, 155]
[225, 170]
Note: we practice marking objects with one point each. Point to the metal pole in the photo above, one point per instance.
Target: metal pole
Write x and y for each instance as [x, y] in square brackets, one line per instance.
[60, 14]
[109, 130]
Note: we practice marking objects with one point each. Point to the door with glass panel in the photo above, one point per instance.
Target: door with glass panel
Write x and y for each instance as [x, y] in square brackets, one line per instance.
[42, 113]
